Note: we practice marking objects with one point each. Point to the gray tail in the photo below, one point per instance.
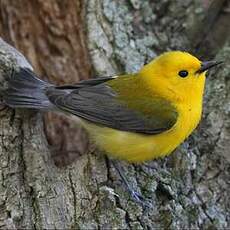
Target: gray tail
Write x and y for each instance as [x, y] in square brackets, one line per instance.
[25, 90]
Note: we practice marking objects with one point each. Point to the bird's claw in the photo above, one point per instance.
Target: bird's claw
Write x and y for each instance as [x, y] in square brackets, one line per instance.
[137, 197]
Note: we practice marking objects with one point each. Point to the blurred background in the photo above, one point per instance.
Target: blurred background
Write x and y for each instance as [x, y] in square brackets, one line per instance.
[51, 35]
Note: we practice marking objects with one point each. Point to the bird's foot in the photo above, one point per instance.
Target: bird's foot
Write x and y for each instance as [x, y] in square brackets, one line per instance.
[140, 199]
[136, 196]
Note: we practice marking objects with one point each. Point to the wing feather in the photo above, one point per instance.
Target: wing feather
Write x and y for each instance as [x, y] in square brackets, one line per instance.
[97, 102]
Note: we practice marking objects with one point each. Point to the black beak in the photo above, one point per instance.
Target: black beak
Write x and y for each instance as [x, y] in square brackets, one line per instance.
[206, 65]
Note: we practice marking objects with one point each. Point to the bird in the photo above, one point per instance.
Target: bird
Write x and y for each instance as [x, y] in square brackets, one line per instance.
[133, 117]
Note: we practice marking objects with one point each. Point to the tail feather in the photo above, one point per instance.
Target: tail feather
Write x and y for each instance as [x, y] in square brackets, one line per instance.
[27, 91]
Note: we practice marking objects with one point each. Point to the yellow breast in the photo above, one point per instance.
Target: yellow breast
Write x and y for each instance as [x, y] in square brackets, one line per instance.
[135, 147]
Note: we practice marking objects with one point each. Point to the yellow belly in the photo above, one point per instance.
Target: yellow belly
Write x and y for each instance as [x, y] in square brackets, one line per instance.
[135, 147]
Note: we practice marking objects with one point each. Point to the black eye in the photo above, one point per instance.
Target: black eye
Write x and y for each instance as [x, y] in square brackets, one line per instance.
[183, 73]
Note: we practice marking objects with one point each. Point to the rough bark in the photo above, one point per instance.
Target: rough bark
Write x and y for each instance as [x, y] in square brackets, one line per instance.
[188, 189]
[51, 35]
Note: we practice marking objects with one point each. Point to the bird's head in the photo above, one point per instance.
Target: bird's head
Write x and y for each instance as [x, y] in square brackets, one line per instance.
[176, 75]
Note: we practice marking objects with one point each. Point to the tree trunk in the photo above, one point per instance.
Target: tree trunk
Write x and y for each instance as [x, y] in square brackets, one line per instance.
[188, 189]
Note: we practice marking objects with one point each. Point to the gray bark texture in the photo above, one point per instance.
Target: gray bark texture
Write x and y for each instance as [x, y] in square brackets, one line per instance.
[187, 190]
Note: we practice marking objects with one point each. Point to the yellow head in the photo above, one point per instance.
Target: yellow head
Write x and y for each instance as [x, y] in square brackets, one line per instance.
[176, 75]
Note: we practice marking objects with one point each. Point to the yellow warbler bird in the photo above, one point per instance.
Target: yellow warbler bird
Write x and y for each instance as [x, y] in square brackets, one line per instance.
[134, 117]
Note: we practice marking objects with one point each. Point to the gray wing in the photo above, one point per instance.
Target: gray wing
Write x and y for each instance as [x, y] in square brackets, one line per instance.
[95, 101]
